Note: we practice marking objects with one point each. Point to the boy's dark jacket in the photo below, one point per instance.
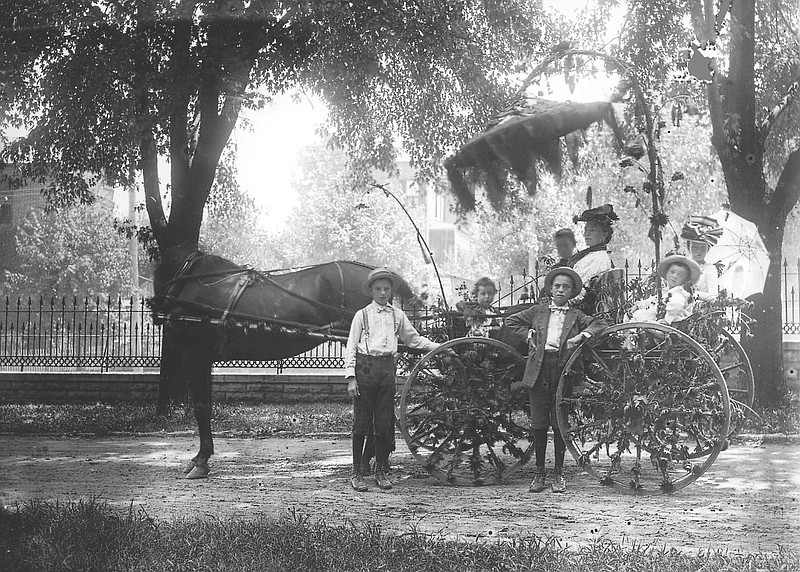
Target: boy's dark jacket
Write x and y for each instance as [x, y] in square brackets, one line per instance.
[538, 318]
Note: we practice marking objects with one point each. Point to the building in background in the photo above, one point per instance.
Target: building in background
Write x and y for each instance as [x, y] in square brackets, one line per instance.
[449, 243]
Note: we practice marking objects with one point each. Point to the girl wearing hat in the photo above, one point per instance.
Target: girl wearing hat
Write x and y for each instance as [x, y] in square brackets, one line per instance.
[678, 274]
[594, 259]
[701, 233]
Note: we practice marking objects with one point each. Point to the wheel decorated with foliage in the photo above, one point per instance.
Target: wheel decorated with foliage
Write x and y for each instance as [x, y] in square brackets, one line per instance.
[643, 408]
[460, 416]
[707, 326]
[738, 373]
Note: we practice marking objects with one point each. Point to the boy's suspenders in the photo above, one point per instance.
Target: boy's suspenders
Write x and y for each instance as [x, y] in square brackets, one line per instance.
[365, 319]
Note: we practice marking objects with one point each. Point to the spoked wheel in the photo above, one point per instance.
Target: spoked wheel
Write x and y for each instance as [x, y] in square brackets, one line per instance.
[643, 408]
[738, 373]
[460, 416]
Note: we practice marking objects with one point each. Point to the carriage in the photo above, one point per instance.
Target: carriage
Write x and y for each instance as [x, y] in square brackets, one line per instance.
[643, 407]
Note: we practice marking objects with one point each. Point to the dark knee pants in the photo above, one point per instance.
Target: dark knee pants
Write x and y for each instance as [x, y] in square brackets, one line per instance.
[374, 406]
[543, 394]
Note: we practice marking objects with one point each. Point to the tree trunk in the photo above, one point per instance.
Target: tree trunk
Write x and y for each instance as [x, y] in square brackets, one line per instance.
[765, 346]
[173, 388]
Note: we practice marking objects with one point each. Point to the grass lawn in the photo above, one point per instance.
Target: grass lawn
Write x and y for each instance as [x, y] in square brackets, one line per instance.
[91, 536]
[240, 419]
[249, 419]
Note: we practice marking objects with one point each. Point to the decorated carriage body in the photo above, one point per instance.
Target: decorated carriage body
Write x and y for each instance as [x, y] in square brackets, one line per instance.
[643, 407]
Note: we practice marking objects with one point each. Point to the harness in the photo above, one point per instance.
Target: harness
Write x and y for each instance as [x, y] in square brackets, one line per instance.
[249, 277]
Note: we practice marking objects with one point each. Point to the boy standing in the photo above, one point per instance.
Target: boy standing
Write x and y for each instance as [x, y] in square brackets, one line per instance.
[370, 371]
[552, 332]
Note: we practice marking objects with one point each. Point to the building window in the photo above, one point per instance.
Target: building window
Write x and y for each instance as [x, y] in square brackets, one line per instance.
[439, 206]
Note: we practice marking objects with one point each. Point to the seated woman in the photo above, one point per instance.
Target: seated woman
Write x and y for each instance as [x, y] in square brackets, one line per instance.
[678, 273]
[701, 233]
[592, 261]
[477, 312]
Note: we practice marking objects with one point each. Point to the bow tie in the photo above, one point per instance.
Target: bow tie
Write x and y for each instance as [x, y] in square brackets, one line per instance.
[385, 308]
[562, 309]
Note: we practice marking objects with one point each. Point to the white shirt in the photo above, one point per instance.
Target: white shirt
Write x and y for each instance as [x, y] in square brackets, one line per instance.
[554, 327]
[707, 287]
[386, 324]
[591, 265]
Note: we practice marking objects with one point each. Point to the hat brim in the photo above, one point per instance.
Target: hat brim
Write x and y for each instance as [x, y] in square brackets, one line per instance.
[694, 268]
[564, 270]
[390, 276]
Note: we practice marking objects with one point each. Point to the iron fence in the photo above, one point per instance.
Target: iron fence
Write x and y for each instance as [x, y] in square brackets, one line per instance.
[102, 334]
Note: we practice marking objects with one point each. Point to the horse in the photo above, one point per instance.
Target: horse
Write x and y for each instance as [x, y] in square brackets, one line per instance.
[214, 310]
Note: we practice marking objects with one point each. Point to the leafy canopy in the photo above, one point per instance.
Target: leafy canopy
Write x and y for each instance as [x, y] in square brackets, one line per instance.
[108, 86]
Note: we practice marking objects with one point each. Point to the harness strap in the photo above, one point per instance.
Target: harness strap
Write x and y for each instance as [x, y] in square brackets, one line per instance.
[196, 255]
[241, 286]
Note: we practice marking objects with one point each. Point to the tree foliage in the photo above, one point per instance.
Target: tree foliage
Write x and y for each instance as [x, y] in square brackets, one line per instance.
[73, 252]
[337, 217]
[110, 85]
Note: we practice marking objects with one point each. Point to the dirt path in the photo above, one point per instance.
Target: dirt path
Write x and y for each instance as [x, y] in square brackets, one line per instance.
[749, 500]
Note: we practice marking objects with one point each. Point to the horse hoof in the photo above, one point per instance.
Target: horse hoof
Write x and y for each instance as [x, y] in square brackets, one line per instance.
[198, 472]
[187, 468]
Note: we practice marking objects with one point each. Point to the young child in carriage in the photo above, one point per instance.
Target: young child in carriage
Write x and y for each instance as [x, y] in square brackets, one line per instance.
[678, 273]
[477, 312]
[552, 331]
[370, 370]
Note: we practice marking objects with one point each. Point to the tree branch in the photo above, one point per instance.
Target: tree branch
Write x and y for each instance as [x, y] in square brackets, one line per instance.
[774, 113]
[544, 64]
[787, 191]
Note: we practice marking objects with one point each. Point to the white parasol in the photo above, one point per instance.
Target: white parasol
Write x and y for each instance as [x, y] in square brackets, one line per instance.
[743, 255]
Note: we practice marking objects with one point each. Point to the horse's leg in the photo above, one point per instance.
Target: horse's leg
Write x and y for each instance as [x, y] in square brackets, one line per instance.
[198, 369]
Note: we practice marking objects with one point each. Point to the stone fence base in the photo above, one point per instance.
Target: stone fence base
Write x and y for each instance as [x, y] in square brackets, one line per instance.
[323, 386]
[85, 387]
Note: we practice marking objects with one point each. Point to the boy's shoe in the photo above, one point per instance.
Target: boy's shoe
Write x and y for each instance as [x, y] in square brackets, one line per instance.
[559, 482]
[538, 484]
[357, 482]
[380, 478]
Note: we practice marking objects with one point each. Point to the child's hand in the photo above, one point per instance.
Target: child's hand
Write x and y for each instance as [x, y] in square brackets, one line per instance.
[572, 343]
[352, 387]
[531, 346]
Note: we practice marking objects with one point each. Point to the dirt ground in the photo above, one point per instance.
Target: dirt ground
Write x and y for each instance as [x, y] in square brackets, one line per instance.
[748, 501]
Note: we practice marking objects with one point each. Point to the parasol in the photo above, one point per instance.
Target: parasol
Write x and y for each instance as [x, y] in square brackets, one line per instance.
[743, 255]
[525, 132]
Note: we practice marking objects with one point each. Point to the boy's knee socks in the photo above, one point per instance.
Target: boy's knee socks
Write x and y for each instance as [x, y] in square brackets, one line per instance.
[358, 449]
[560, 447]
[540, 445]
[381, 448]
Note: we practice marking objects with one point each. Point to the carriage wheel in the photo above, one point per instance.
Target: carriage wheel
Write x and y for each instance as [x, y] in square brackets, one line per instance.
[460, 416]
[643, 408]
[738, 373]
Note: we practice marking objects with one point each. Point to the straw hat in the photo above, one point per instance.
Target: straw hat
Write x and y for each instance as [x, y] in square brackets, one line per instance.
[375, 275]
[694, 268]
[558, 271]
